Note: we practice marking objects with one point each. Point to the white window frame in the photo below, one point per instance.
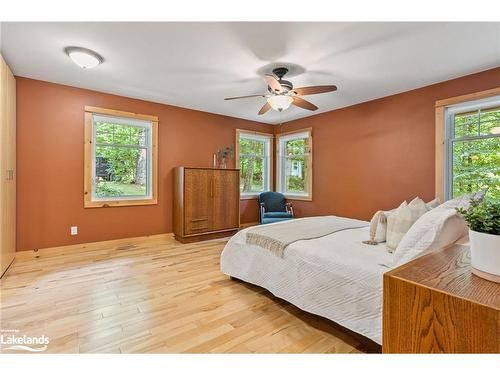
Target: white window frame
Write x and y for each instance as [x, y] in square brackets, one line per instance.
[268, 155]
[94, 114]
[449, 136]
[281, 139]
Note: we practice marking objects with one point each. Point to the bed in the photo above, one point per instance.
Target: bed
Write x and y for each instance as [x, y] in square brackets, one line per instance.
[336, 276]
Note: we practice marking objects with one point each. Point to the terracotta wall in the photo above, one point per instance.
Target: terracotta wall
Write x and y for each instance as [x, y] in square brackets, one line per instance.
[50, 164]
[376, 154]
[366, 157]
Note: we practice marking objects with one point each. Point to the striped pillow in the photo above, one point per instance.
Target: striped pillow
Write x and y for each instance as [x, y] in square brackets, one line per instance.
[401, 221]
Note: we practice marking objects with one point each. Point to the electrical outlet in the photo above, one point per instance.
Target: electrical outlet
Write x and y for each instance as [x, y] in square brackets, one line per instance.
[74, 231]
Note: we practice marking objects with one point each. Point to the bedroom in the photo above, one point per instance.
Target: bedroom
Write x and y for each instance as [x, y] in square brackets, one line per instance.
[148, 208]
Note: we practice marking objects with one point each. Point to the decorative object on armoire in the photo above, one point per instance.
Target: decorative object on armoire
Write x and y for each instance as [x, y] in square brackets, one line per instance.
[7, 167]
[483, 218]
[206, 203]
[221, 156]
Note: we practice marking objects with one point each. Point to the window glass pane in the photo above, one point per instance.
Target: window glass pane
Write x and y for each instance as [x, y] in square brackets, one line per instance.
[296, 174]
[294, 165]
[120, 171]
[490, 121]
[253, 165]
[296, 147]
[476, 165]
[252, 174]
[252, 147]
[466, 124]
[109, 133]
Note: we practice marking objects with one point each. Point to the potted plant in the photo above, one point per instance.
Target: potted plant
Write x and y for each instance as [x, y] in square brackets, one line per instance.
[483, 218]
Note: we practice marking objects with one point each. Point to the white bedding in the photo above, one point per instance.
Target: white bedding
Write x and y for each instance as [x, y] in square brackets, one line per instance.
[336, 276]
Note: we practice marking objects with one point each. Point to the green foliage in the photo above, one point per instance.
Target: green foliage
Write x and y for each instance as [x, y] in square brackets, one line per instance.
[252, 158]
[296, 152]
[123, 162]
[114, 143]
[252, 164]
[117, 189]
[296, 184]
[482, 216]
[106, 190]
[476, 162]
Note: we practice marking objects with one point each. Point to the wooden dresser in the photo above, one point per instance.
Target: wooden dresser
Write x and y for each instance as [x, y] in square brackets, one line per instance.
[206, 203]
[434, 304]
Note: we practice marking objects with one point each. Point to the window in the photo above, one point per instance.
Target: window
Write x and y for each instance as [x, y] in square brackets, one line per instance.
[472, 148]
[120, 158]
[254, 160]
[294, 164]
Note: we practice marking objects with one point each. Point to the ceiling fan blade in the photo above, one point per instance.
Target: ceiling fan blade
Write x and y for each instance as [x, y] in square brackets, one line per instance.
[266, 107]
[273, 83]
[246, 96]
[314, 90]
[299, 102]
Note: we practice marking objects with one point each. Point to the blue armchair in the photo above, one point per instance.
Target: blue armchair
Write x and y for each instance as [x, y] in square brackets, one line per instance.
[273, 208]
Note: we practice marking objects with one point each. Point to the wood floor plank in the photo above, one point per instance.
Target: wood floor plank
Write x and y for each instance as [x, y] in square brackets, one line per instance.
[153, 295]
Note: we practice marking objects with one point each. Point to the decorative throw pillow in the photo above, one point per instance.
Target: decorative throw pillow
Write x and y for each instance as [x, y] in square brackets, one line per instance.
[433, 204]
[464, 200]
[401, 221]
[434, 230]
[378, 227]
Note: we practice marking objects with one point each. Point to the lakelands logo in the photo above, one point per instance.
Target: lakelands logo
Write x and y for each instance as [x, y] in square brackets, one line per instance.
[11, 340]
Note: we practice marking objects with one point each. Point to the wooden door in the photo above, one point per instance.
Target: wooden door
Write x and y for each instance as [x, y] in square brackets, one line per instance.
[7, 166]
[198, 192]
[226, 200]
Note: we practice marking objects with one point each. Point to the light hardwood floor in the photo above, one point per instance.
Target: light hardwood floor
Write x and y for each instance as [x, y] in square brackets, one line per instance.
[154, 295]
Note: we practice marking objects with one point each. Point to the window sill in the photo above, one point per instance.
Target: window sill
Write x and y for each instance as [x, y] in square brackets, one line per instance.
[298, 197]
[249, 196]
[120, 203]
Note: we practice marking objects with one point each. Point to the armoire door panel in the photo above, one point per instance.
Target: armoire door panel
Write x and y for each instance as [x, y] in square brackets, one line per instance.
[198, 193]
[226, 199]
[7, 166]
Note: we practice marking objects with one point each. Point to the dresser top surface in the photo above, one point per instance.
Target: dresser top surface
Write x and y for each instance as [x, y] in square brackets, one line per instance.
[449, 271]
[210, 168]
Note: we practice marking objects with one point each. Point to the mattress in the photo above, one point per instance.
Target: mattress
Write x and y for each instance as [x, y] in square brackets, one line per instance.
[335, 276]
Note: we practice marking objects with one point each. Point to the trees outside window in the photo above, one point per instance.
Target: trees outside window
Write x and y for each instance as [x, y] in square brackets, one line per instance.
[120, 158]
[473, 143]
[294, 164]
[254, 160]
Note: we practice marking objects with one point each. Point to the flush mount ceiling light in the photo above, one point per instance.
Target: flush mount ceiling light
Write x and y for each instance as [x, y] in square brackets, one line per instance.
[83, 57]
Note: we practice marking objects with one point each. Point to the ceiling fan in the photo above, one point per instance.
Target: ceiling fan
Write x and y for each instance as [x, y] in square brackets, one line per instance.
[282, 93]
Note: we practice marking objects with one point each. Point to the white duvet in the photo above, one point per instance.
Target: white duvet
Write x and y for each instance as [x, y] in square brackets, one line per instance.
[335, 276]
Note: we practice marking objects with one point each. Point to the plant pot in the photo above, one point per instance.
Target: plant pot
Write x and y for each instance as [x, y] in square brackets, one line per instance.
[485, 255]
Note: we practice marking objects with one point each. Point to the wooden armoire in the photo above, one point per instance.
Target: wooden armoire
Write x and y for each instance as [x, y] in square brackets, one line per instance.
[206, 203]
[7, 166]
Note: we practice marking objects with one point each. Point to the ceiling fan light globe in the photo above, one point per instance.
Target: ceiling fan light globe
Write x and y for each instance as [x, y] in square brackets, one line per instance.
[280, 102]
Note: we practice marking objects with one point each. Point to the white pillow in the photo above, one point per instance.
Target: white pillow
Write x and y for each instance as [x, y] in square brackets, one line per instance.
[433, 204]
[434, 230]
[401, 221]
[464, 200]
[378, 226]
[378, 223]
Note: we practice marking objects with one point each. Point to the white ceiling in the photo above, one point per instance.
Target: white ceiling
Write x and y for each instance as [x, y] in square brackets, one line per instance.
[196, 65]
